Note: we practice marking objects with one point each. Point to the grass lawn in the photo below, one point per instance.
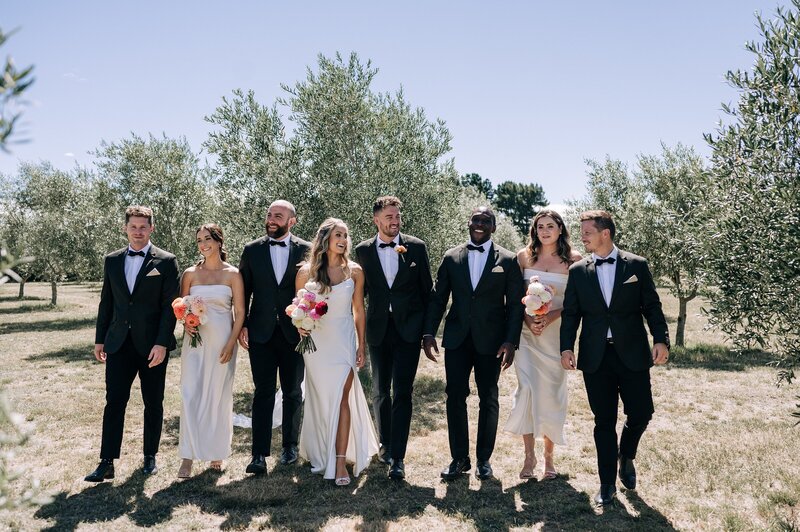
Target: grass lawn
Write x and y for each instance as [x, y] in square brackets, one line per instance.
[720, 453]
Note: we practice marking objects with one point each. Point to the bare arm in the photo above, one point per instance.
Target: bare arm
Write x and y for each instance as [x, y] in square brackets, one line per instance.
[359, 316]
[237, 286]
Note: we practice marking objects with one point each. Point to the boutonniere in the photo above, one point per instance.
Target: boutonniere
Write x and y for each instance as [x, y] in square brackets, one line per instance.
[401, 250]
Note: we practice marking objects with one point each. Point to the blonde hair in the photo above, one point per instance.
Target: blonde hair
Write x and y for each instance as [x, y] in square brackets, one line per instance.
[318, 254]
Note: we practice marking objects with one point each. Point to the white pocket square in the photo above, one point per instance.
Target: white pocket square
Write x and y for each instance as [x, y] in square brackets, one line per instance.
[412, 264]
[153, 273]
[631, 279]
[498, 269]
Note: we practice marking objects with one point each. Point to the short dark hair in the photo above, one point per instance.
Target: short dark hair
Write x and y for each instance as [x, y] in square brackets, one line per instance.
[602, 220]
[139, 211]
[386, 201]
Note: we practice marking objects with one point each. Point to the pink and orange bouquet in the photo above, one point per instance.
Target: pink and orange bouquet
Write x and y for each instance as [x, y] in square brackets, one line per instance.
[306, 309]
[538, 298]
[191, 310]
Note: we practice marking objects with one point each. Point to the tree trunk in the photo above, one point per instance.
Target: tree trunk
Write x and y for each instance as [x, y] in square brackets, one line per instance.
[54, 292]
[679, 330]
[21, 293]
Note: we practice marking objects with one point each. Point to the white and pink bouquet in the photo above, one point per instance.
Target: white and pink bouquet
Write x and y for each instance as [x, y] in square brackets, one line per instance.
[192, 311]
[307, 308]
[539, 297]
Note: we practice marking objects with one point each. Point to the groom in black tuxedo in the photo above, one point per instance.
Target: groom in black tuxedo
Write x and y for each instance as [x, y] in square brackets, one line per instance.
[269, 266]
[133, 336]
[610, 291]
[481, 331]
[398, 285]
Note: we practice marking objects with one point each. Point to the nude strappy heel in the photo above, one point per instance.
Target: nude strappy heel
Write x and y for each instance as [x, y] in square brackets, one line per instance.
[342, 481]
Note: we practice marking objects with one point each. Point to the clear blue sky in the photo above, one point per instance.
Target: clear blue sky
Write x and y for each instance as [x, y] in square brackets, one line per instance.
[528, 89]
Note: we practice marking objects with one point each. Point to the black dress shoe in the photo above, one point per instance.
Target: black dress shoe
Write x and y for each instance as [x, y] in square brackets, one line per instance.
[289, 455]
[258, 466]
[385, 455]
[397, 471]
[484, 470]
[103, 472]
[149, 466]
[605, 495]
[627, 473]
[456, 468]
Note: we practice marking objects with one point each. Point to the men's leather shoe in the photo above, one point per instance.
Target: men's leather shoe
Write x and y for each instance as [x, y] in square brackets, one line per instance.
[103, 472]
[385, 455]
[149, 466]
[258, 466]
[627, 473]
[605, 495]
[397, 471]
[456, 468]
[484, 470]
[289, 455]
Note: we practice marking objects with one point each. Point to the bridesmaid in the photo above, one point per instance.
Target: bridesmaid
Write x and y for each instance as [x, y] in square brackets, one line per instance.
[540, 400]
[207, 371]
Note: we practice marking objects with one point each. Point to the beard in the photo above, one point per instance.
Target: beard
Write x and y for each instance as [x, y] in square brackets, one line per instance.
[279, 231]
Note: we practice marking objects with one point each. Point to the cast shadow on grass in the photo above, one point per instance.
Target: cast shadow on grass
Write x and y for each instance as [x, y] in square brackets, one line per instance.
[429, 405]
[24, 298]
[97, 504]
[72, 353]
[47, 325]
[717, 357]
[24, 309]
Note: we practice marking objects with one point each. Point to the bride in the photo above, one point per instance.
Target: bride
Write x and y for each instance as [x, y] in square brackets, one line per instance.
[337, 426]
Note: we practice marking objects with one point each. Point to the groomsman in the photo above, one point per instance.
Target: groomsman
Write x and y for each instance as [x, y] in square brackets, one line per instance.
[481, 331]
[133, 336]
[610, 291]
[398, 286]
[269, 266]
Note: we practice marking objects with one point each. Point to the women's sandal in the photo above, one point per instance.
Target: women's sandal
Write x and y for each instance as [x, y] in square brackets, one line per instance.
[528, 467]
[185, 471]
[342, 481]
[216, 465]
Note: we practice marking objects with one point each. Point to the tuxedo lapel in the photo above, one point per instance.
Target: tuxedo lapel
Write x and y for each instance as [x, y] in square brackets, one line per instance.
[268, 253]
[491, 262]
[148, 260]
[463, 261]
[291, 263]
[619, 275]
[118, 270]
[594, 281]
[376, 261]
[402, 263]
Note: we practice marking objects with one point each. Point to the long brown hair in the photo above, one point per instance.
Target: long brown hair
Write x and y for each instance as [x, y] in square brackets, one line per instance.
[318, 254]
[216, 235]
[563, 248]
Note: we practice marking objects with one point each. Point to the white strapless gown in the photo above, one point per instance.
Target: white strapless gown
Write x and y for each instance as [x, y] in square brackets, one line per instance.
[206, 426]
[540, 400]
[327, 369]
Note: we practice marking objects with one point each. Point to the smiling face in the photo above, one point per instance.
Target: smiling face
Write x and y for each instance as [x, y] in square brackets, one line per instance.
[388, 221]
[280, 220]
[138, 230]
[481, 225]
[547, 230]
[593, 240]
[206, 244]
[337, 241]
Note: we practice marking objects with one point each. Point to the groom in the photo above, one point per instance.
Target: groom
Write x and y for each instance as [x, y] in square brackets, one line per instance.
[481, 331]
[398, 284]
[269, 267]
[610, 291]
[134, 334]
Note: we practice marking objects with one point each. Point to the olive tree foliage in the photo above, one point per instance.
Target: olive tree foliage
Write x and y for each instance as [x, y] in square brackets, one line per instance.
[13, 83]
[754, 205]
[347, 146]
[162, 173]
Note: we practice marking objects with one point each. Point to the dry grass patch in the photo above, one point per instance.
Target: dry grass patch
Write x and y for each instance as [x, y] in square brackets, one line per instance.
[720, 453]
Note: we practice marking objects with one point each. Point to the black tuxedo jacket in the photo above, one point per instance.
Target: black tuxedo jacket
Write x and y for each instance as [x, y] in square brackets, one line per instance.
[264, 299]
[408, 295]
[147, 312]
[634, 295]
[492, 312]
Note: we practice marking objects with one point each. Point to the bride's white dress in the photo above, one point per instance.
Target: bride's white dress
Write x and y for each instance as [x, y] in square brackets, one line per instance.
[540, 400]
[327, 369]
[206, 426]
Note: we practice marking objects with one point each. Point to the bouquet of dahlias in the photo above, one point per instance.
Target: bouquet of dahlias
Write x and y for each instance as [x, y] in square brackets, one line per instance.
[306, 310]
[539, 298]
[191, 310]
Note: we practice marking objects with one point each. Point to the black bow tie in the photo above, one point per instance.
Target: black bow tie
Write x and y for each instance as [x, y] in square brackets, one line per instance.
[132, 253]
[280, 243]
[389, 245]
[475, 248]
[609, 260]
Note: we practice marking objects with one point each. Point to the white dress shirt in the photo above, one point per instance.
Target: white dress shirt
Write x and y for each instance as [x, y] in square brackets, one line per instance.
[477, 261]
[279, 255]
[605, 274]
[389, 257]
[133, 263]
